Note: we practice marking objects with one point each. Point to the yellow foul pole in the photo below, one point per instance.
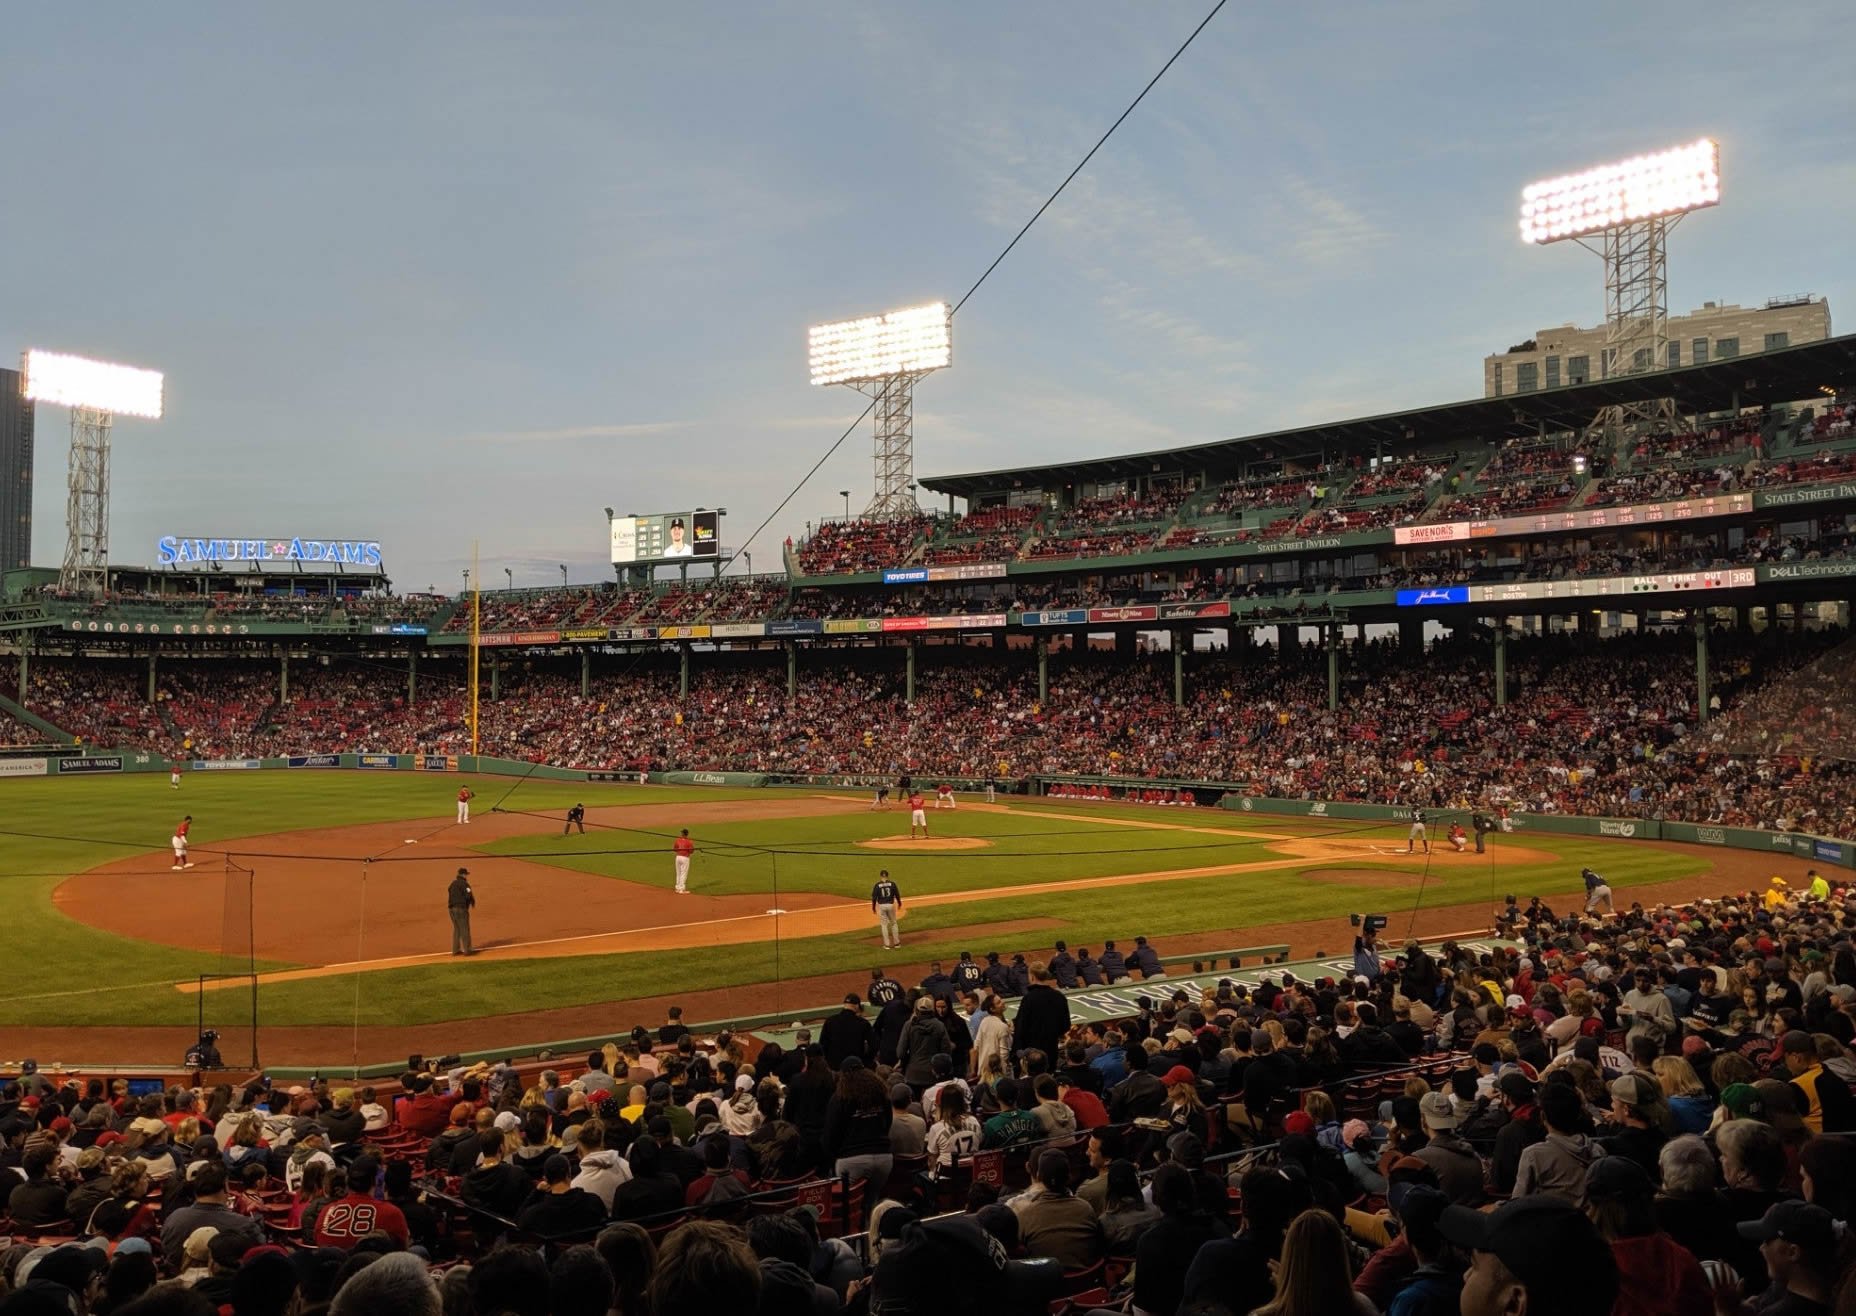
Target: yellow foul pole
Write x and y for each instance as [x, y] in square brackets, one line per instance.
[476, 637]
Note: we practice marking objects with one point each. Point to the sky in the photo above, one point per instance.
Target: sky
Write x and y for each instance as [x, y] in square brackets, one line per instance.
[444, 274]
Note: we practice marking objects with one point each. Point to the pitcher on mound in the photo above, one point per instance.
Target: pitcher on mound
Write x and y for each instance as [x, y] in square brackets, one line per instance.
[918, 814]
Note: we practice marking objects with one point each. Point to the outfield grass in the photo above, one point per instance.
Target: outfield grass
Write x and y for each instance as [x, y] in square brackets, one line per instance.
[55, 828]
[820, 854]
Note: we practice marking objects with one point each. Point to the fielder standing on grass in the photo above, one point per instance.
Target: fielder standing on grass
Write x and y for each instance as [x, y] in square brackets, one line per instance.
[886, 904]
[683, 848]
[459, 900]
[576, 817]
[180, 843]
[465, 796]
[174, 773]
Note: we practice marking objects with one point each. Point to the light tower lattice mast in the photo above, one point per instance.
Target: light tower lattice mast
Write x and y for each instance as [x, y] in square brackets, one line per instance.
[1623, 213]
[87, 504]
[882, 356]
[97, 392]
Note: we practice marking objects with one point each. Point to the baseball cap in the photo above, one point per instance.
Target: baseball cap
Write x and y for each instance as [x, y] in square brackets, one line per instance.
[1352, 1131]
[1743, 1101]
[1513, 1083]
[1298, 1122]
[508, 1121]
[1795, 1042]
[1437, 1111]
[1178, 1074]
[952, 1264]
[1611, 1177]
[744, 1082]
[1634, 1090]
[1804, 1223]
[1547, 1244]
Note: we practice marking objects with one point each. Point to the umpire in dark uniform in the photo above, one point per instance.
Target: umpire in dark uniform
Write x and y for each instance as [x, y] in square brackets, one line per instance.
[459, 901]
[576, 817]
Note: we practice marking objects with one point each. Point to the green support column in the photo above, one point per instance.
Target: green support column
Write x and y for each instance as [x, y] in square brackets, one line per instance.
[586, 672]
[1410, 639]
[1125, 643]
[1330, 633]
[1501, 661]
[1288, 642]
[496, 677]
[1701, 669]
[283, 677]
[1179, 667]
[412, 678]
[908, 681]
[24, 673]
[792, 670]
[683, 669]
[1043, 647]
[151, 676]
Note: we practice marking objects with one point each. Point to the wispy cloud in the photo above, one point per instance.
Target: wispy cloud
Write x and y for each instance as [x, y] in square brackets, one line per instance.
[572, 433]
[1327, 231]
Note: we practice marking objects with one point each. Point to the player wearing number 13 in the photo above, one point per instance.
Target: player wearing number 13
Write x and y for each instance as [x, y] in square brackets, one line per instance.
[886, 904]
[347, 1220]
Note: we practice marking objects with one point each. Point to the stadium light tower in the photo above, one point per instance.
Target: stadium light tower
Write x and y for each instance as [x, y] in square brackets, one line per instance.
[1623, 211]
[882, 356]
[96, 392]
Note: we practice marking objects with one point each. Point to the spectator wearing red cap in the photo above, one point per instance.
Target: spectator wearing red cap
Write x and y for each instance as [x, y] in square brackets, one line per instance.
[1185, 1109]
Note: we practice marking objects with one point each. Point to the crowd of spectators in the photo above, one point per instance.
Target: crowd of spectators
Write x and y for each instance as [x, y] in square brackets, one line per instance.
[844, 547]
[1636, 1111]
[1594, 727]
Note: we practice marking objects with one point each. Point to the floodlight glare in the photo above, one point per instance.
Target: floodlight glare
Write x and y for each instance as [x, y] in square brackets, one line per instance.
[76, 381]
[907, 342]
[1670, 182]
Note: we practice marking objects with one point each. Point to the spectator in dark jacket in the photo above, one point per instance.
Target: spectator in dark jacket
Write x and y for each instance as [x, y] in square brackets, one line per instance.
[1043, 1016]
[1522, 1130]
[1146, 959]
[1114, 967]
[923, 1038]
[847, 1033]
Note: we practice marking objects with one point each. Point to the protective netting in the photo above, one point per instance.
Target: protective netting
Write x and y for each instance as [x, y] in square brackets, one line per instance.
[1809, 714]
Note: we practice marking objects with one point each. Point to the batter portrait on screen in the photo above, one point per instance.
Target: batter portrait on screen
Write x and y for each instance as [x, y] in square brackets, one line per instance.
[679, 545]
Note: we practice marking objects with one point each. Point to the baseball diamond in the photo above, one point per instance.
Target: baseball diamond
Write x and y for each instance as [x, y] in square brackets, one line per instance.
[1315, 799]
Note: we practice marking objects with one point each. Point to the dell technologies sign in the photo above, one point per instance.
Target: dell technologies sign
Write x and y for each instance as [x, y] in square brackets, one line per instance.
[357, 554]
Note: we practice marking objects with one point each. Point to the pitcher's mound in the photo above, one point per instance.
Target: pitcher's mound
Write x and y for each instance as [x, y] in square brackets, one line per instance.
[931, 843]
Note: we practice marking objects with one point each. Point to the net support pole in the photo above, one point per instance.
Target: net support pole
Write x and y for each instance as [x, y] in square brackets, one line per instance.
[683, 669]
[1043, 646]
[283, 677]
[1180, 640]
[24, 672]
[908, 682]
[586, 672]
[792, 670]
[1501, 661]
[151, 676]
[1333, 640]
[412, 678]
[1701, 669]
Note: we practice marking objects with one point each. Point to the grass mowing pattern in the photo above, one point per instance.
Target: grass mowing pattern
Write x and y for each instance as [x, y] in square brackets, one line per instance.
[1029, 847]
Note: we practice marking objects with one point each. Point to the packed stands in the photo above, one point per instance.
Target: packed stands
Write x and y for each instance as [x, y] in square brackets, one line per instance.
[846, 547]
[1619, 1085]
[1597, 728]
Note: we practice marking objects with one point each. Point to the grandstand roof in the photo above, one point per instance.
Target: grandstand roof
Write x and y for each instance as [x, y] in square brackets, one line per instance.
[1784, 375]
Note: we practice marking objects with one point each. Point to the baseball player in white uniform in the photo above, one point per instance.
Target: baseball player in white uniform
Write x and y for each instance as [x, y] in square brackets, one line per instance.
[180, 843]
[465, 795]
